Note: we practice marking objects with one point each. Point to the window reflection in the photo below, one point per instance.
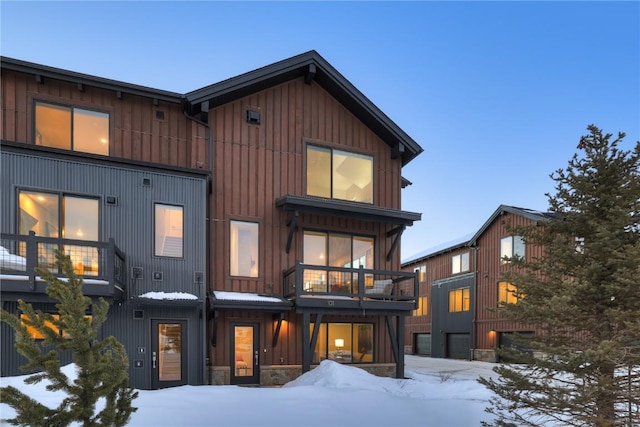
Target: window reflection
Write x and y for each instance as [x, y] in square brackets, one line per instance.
[169, 351]
[339, 174]
[244, 249]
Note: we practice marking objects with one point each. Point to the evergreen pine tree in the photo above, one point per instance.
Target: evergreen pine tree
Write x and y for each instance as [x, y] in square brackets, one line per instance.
[583, 294]
[102, 366]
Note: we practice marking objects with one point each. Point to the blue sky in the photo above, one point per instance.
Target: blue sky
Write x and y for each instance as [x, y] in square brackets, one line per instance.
[497, 93]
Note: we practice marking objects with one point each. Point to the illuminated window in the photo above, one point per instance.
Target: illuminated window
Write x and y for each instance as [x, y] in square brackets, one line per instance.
[339, 174]
[512, 246]
[71, 128]
[422, 273]
[459, 300]
[168, 231]
[506, 293]
[344, 342]
[423, 307]
[35, 334]
[62, 216]
[335, 250]
[460, 263]
[244, 249]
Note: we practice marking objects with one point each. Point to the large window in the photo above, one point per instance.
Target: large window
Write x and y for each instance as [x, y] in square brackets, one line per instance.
[62, 216]
[244, 249]
[344, 342]
[335, 250]
[339, 174]
[459, 300]
[512, 246]
[507, 293]
[423, 307]
[168, 231]
[71, 128]
[460, 263]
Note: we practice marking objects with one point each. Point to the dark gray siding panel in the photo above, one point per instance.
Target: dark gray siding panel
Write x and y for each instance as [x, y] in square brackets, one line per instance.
[443, 322]
[130, 223]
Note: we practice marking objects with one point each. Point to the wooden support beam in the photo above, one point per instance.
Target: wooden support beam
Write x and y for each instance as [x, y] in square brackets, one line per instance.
[310, 74]
[279, 317]
[398, 232]
[293, 226]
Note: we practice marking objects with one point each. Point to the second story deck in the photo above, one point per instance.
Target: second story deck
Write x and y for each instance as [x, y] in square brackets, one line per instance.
[350, 289]
[101, 265]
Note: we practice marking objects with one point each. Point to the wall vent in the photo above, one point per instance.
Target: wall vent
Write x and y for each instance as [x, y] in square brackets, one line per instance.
[146, 182]
[138, 314]
[111, 200]
[253, 117]
[159, 115]
[157, 276]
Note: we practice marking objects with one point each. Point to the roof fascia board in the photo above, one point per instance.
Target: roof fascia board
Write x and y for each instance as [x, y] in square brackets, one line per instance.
[98, 82]
[327, 77]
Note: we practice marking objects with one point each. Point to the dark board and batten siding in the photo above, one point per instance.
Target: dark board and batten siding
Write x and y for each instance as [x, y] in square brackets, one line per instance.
[130, 223]
[256, 164]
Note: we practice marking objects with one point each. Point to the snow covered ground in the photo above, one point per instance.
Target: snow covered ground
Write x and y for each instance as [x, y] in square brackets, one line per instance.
[438, 393]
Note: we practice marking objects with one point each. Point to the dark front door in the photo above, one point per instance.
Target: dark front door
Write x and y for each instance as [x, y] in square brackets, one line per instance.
[168, 353]
[245, 354]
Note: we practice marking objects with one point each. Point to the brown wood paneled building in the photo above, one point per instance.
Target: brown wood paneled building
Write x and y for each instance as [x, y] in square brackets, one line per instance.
[303, 214]
[462, 290]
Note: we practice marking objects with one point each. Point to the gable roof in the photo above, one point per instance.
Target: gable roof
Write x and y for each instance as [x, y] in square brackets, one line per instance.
[531, 214]
[472, 239]
[314, 68]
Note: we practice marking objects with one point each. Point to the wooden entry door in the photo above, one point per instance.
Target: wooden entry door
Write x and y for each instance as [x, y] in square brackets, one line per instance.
[245, 353]
[168, 353]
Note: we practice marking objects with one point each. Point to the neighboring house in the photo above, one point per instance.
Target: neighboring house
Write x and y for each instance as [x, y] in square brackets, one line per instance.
[255, 222]
[461, 290]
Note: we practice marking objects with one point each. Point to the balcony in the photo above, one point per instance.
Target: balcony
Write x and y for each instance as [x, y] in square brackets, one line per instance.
[350, 289]
[101, 265]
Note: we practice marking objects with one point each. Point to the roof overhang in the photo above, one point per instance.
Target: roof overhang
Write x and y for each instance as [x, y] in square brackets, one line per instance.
[43, 71]
[312, 67]
[167, 302]
[347, 209]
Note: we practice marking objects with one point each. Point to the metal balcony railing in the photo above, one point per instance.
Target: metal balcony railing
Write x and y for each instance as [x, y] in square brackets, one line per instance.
[346, 286]
[100, 264]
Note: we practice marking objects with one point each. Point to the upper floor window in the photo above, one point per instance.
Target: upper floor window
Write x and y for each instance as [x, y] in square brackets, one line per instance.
[168, 230]
[62, 216]
[460, 263]
[244, 249]
[507, 293]
[338, 174]
[336, 250]
[512, 246]
[459, 300]
[71, 128]
[422, 273]
[423, 306]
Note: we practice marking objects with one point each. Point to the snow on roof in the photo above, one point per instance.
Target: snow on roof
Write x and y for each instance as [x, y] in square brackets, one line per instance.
[244, 296]
[442, 246]
[168, 296]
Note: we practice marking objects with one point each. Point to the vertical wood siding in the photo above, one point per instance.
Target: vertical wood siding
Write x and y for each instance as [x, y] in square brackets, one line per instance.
[135, 132]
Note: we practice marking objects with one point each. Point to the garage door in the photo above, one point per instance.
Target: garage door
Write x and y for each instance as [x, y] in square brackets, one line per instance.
[505, 339]
[458, 346]
[423, 344]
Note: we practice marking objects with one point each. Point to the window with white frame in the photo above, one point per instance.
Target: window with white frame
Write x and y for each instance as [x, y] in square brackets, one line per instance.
[168, 230]
[460, 263]
[244, 249]
[511, 246]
